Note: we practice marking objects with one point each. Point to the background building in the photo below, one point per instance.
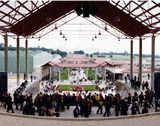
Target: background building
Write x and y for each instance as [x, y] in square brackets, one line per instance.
[35, 60]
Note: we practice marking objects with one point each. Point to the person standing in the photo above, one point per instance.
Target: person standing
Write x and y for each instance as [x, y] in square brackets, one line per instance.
[16, 99]
[31, 78]
[21, 101]
[135, 108]
[141, 98]
[143, 85]
[68, 100]
[9, 103]
[125, 79]
[117, 108]
[76, 111]
[148, 76]
[124, 107]
[107, 107]
[24, 76]
[146, 84]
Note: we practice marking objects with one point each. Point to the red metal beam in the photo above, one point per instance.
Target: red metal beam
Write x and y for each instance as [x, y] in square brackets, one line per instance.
[127, 24]
[35, 5]
[15, 10]
[117, 3]
[137, 7]
[37, 20]
[56, 9]
[8, 15]
[4, 3]
[153, 24]
[22, 5]
[126, 5]
[151, 17]
[146, 11]
[5, 22]
[130, 13]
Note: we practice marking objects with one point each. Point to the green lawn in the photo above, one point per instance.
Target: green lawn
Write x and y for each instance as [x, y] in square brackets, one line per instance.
[91, 74]
[70, 87]
[64, 74]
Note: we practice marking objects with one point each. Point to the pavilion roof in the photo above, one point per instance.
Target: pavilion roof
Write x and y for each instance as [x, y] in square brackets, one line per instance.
[117, 63]
[76, 58]
[136, 71]
[133, 18]
[126, 67]
[77, 65]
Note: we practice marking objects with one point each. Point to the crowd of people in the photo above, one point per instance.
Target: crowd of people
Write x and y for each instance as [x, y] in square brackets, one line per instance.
[53, 104]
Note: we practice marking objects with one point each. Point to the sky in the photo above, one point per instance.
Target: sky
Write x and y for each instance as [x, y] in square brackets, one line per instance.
[82, 40]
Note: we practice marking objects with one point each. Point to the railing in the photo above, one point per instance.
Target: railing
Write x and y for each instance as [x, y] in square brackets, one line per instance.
[135, 87]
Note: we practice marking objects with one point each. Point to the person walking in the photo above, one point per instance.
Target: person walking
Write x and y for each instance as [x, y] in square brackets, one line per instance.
[100, 105]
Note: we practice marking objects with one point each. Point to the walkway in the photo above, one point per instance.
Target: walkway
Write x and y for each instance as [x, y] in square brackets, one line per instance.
[152, 120]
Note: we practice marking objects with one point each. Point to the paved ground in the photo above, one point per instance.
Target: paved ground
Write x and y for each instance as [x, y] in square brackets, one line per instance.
[19, 121]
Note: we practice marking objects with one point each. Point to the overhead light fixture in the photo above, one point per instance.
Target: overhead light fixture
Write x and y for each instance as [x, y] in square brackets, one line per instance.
[63, 36]
[65, 39]
[39, 38]
[105, 28]
[48, 18]
[99, 33]
[55, 27]
[118, 39]
[117, 18]
[92, 39]
[60, 32]
[95, 36]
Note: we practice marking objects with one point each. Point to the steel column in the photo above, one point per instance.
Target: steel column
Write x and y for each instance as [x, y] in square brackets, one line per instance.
[140, 61]
[50, 72]
[6, 52]
[17, 60]
[153, 62]
[59, 74]
[96, 73]
[131, 61]
[26, 60]
[68, 74]
[87, 73]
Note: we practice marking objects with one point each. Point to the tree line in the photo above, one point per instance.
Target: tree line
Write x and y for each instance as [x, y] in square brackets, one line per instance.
[79, 52]
[11, 48]
[125, 53]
